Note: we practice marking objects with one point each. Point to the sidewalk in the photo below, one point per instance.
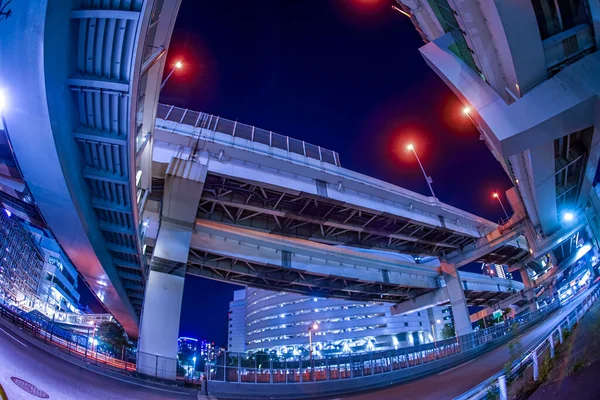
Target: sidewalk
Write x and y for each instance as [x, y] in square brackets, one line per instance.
[576, 372]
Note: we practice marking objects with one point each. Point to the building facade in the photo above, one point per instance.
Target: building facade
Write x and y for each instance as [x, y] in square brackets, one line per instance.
[496, 270]
[21, 261]
[58, 283]
[237, 327]
[279, 321]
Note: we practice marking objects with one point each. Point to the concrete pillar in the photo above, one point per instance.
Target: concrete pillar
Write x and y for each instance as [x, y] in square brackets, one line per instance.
[462, 320]
[157, 347]
[528, 289]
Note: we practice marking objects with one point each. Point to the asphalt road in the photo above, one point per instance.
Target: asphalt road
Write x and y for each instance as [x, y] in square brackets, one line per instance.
[63, 380]
[455, 381]
[60, 379]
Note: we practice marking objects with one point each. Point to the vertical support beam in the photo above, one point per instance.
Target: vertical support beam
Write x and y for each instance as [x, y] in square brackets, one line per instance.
[534, 358]
[159, 330]
[532, 304]
[551, 341]
[560, 334]
[462, 320]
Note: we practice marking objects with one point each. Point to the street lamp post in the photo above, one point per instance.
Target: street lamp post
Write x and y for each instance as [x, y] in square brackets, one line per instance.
[178, 65]
[411, 147]
[312, 327]
[497, 196]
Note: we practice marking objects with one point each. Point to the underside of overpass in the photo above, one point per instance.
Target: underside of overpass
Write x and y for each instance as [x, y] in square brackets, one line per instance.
[303, 215]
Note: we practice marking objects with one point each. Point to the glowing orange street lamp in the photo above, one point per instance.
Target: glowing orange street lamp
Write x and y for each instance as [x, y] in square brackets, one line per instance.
[497, 196]
[178, 65]
[411, 147]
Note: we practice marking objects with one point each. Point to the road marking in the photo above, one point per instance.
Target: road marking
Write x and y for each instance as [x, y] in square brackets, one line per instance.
[21, 343]
[458, 366]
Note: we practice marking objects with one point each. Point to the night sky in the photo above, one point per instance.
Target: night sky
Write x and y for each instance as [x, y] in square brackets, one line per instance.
[343, 74]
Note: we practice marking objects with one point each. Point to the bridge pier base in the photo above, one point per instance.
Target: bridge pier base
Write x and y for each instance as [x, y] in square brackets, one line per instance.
[159, 331]
[458, 302]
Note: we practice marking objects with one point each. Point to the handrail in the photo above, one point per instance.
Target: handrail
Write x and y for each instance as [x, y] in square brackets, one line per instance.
[244, 368]
[530, 356]
[213, 123]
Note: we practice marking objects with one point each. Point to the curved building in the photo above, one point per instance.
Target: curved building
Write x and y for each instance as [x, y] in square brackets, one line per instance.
[279, 321]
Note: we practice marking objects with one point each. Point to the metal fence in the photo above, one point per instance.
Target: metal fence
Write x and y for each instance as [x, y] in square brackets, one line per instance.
[528, 364]
[65, 340]
[236, 129]
[264, 368]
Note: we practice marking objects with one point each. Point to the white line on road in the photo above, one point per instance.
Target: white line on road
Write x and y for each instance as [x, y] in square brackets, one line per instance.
[458, 366]
[21, 343]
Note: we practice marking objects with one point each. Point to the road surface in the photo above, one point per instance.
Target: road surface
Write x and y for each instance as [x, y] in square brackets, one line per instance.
[455, 381]
[60, 379]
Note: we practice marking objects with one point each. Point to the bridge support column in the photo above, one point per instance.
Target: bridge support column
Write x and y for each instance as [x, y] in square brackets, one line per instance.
[458, 302]
[157, 347]
[532, 304]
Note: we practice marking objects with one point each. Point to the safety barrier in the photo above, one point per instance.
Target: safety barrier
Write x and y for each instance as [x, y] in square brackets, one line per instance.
[238, 130]
[65, 340]
[242, 375]
[497, 384]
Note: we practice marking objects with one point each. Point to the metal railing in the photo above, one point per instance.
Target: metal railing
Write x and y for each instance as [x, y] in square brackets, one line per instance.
[496, 385]
[66, 341]
[263, 368]
[238, 130]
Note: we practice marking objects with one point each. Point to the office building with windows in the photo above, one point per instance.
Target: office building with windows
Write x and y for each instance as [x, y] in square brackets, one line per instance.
[279, 321]
[528, 73]
[21, 261]
[58, 283]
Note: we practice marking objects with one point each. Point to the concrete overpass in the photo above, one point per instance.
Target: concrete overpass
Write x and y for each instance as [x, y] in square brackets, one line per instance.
[238, 203]
[260, 180]
[81, 81]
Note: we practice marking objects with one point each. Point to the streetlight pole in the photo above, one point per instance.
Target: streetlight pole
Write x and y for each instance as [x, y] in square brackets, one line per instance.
[496, 195]
[178, 65]
[427, 178]
[311, 327]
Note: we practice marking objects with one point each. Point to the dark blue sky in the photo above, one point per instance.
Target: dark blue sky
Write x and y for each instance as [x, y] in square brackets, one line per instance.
[343, 74]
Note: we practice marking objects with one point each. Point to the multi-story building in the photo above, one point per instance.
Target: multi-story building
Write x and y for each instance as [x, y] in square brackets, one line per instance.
[279, 321]
[207, 350]
[58, 284]
[237, 326]
[21, 261]
[528, 73]
[187, 345]
[187, 355]
[496, 270]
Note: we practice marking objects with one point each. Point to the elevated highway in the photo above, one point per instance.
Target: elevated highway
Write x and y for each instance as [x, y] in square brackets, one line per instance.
[78, 121]
[260, 180]
[258, 259]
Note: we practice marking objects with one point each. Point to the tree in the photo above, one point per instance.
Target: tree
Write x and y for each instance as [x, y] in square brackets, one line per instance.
[448, 332]
[113, 336]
